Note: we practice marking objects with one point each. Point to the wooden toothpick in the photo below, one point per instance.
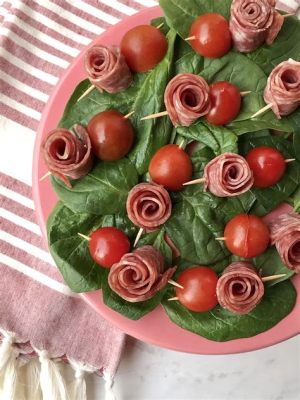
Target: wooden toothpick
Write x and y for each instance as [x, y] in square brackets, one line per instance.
[288, 160]
[288, 15]
[128, 115]
[243, 94]
[173, 299]
[45, 176]
[182, 144]
[272, 277]
[221, 238]
[84, 236]
[194, 182]
[262, 110]
[160, 26]
[174, 283]
[190, 38]
[151, 116]
[88, 91]
[138, 236]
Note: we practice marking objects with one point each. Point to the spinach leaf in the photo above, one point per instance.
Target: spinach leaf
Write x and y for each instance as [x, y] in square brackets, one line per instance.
[270, 264]
[239, 70]
[181, 14]
[271, 197]
[136, 311]
[154, 133]
[103, 191]
[285, 46]
[70, 252]
[219, 139]
[221, 325]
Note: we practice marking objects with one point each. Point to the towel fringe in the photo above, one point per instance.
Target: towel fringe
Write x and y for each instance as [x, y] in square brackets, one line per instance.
[51, 380]
[77, 388]
[109, 394]
[32, 379]
[9, 366]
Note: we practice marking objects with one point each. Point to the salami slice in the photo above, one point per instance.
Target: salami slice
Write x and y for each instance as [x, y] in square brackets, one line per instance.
[254, 22]
[67, 154]
[138, 276]
[285, 235]
[148, 206]
[240, 288]
[283, 88]
[187, 99]
[228, 175]
[107, 69]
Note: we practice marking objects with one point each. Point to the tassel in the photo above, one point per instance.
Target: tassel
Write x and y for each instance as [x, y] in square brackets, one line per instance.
[32, 373]
[77, 388]
[109, 394]
[9, 366]
[51, 380]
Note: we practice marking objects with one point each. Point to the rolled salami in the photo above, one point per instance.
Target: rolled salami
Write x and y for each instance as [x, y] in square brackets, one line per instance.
[228, 175]
[240, 288]
[283, 88]
[67, 154]
[285, 235]
[138, 276]
[254, 22]
[187, 99]
[107, 69]
[148, 206]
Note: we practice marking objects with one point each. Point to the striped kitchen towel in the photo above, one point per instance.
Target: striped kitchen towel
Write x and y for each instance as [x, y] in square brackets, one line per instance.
[40, 319]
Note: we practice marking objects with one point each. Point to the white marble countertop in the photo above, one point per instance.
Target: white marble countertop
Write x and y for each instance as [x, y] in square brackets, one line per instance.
[147, 372]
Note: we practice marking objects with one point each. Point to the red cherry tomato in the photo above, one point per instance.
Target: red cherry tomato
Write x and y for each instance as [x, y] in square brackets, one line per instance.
[143, 47]
[199, 289]
[171, 167]
[212, 35]
[268, 166]
[225, 103]
[108, 245]
[111, 135]
[246, 236]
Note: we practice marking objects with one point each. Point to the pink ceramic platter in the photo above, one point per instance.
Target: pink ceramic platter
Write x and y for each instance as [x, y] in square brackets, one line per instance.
[155, 327]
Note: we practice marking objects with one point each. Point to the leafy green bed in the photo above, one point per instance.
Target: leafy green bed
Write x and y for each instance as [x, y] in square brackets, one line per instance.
[197, 218]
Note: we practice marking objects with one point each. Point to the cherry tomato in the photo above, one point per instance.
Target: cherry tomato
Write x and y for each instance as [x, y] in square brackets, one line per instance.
[108, 245]
[111, 135]
[212, 35]
[171, 167]
[143, 47]
[199, 289]
[225, 103]
[246, 236]
[268, 165]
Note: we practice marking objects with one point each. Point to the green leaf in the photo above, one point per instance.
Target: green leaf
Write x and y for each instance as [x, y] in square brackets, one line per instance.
[270, 264]
[70, 251]
[239, 70]
[219, 139]
[271, 197]
[221, 325]
[154, 133]
[181, 14]
[103, 191]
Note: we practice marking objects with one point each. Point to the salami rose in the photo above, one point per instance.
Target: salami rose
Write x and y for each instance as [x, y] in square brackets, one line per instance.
[285, 234]
[67, 154]
[283, 88]
[107, 69]
[240, 288]
[228, 175]
[148, 206]
[187, 99]
[254, 22]
[138, 276]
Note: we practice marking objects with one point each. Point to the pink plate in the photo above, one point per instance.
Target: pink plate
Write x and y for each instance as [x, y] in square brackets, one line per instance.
[155, 327]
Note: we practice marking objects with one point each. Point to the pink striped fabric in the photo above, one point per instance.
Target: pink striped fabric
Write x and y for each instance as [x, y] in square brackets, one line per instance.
[38, 40]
